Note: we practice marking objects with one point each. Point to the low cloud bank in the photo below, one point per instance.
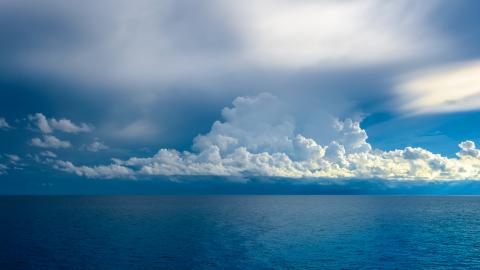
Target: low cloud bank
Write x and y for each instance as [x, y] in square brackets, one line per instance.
[256, 137]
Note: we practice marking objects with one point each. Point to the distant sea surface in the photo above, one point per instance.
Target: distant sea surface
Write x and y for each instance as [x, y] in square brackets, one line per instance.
[239, 232]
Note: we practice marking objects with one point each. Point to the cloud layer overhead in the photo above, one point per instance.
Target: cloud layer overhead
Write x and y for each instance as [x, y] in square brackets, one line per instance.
[133, 42]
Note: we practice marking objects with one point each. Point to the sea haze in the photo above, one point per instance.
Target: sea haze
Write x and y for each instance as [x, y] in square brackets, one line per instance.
[208, 185]
[239, 232]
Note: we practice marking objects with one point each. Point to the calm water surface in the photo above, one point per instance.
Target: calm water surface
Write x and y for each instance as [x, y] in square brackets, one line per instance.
[239, 232]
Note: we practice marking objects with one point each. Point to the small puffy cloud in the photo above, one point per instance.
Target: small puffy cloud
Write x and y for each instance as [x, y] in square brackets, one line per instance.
[13, 158]
[96, 146]
[4, 124]
[50, 141]
[468, 149]
[41, 122]
[65, 125]
[10, 162]
[68, 126]
[48, 154]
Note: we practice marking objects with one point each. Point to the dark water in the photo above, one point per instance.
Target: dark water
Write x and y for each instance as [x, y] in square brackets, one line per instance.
[240, 232]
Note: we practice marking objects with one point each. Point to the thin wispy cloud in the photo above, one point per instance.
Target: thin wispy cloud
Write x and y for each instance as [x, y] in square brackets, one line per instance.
[48, 154]
[13, 158]
[446, 89]
[3, 169]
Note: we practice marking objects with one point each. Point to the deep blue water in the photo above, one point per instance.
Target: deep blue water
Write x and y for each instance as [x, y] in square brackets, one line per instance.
[239, 232]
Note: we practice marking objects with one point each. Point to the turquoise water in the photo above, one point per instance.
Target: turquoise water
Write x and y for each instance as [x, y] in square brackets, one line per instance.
[239, 232]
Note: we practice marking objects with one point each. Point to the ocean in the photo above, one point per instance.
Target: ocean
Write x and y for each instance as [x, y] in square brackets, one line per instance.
[239, 232]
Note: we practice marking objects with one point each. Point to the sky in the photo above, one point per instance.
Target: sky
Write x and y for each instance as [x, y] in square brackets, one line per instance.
[264, 96]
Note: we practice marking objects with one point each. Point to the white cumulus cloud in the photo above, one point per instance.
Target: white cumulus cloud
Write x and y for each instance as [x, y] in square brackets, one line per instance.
[96, 146]
[468, 149]
[256, 138]
[107, 172]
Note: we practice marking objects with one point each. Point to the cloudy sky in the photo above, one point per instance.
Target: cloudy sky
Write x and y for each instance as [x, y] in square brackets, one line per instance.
[110, 95]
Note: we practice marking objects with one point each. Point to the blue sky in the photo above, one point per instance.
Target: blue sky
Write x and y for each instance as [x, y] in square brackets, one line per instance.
[308, 92]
